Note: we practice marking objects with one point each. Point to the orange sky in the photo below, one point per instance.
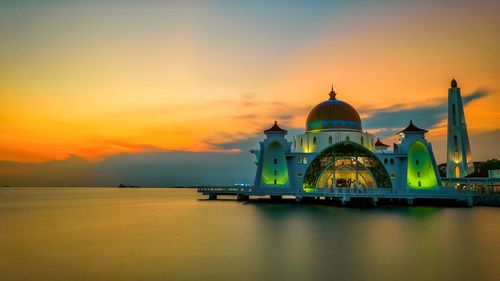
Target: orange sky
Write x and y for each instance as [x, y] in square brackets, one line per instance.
[82, 80]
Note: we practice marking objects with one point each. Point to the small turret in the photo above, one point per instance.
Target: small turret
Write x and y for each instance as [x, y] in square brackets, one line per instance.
[380, 145]
[275, 129]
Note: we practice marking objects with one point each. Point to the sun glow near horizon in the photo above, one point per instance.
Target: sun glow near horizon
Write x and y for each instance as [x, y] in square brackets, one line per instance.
[76, 80]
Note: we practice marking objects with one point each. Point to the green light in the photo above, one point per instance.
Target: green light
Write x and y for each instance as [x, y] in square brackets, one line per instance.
[420, 169]
[274, 160]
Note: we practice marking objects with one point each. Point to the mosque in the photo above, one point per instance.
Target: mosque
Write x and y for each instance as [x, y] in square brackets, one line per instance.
[335, 159]
[334, 151]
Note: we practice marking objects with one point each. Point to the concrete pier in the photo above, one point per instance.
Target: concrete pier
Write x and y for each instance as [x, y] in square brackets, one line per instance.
[344, 196]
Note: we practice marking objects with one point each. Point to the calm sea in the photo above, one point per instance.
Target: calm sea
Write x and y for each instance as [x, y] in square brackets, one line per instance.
[173, 234]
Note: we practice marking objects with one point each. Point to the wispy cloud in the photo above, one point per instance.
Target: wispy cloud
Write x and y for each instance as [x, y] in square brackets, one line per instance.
[427, 115]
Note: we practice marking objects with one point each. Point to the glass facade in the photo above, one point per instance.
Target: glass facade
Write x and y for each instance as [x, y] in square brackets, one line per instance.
[346, 164]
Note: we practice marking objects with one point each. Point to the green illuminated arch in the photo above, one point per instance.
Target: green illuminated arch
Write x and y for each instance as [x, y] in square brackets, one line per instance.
[345, 150]
[420, 173]
[274, 167]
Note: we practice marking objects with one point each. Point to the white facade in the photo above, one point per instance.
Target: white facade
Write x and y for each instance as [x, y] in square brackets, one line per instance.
[313, 142]
[459, 159]
[343, 156]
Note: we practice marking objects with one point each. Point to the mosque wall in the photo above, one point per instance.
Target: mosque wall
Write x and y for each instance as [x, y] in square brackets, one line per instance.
[315, 142]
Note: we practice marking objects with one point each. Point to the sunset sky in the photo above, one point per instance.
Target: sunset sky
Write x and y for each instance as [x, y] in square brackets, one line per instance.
[177, 92]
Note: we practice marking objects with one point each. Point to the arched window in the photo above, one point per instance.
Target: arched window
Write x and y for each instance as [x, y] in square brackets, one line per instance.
[275, 181]
[330, 140]
[392, 161]
[301, 142]
[294, 143]
[385, 161]
[455, 143]
[347, 138]
[275, 172]
[314, 141]
[418, 174]
[275, 161]
[417, 162]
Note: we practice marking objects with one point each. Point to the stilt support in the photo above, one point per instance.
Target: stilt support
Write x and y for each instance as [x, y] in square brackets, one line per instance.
[242, 197]
[345, 200]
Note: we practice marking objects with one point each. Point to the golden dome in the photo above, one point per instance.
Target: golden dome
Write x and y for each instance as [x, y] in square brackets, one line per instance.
[333, 114]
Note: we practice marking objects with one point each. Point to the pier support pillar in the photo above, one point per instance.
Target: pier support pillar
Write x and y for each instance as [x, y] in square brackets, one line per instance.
[345, 200]
[242, 197]
[275, 197]
[470, 202]
[298, 199]
[409, 201]
[374, 201]
[212, 197]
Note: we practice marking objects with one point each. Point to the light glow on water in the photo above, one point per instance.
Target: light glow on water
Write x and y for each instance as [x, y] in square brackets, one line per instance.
[170, 234]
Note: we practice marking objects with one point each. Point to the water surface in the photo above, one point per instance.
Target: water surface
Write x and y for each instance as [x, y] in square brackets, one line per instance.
[169, 234]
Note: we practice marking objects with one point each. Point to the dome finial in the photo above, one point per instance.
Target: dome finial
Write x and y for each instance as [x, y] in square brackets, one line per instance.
[332, 94]
[454, 83]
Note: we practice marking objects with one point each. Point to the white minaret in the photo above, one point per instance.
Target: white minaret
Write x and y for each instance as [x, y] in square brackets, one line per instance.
[459, 162]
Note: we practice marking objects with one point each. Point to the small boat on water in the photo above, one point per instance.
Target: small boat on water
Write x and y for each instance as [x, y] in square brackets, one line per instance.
[128, 186]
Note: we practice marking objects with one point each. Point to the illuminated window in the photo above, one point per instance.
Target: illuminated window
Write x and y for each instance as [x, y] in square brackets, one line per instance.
[330, 140]
[314, 141]
[457, 171]
[275, 161]
[305, 160]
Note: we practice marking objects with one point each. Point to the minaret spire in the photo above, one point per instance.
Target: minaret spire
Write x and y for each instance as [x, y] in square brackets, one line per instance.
[459, 158]
[332, 94]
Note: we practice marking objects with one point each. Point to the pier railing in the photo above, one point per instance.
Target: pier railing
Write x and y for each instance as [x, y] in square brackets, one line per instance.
[441, 192]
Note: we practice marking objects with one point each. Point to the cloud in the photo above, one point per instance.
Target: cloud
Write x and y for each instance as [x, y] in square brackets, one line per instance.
[167, 168]
[389, 120]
